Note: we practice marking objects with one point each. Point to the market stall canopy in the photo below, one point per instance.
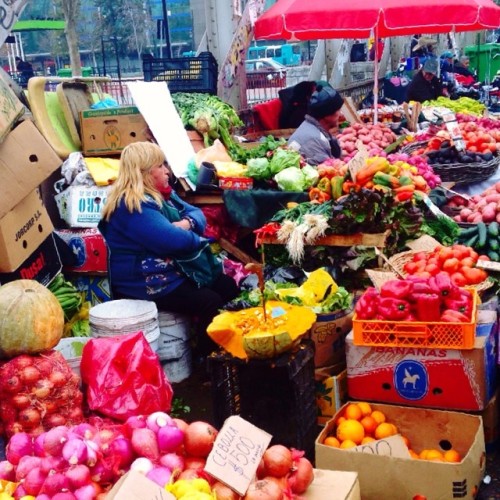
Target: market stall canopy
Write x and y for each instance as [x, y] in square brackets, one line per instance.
[306, 20]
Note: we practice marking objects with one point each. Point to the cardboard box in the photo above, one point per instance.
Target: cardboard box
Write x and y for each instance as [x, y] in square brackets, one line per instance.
[96, 287]
[385, 474]
[490, 416]
[26, 160]
[432, 378]
[22, 231]
[80, 206]
[136, 486]
[11, 108]
[329, 333]
[42, 265]
[331, 392]
[333, 485]
[108, 131]
[88, 250]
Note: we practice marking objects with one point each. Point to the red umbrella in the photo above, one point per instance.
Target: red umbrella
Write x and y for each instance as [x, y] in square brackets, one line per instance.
[307, 20]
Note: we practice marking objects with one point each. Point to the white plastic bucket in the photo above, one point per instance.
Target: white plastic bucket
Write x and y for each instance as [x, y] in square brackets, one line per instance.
[180, 369]
[175, 332]
[71, 349]
[120, 317]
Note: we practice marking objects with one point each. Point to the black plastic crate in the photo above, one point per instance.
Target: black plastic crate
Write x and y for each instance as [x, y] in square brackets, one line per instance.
[183, 74]
[276, 395]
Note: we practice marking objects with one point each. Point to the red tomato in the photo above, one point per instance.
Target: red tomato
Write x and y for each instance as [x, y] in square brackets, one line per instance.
[432, 269]
[458, 279]
[445, 253]
[420, 256]
[461, 251]
[451, 265]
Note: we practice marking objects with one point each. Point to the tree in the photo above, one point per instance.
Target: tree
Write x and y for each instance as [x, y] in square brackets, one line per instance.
[71, 12]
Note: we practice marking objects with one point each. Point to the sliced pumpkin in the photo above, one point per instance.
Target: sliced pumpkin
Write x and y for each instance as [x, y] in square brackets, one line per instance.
[246, 334]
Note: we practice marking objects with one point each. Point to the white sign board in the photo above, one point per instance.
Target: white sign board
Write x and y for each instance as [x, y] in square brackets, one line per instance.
[237, 452]
[157, 107]
[9, 14]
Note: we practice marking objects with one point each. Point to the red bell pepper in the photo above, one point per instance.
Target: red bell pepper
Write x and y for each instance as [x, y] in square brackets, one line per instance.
[463, 305]
[441, 283]
[451, 316]
[397, 289]
[427, 306]
[393, 309]
[367, 305]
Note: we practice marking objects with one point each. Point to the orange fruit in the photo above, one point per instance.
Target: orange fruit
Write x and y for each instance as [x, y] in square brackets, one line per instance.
[378, 416]
[383, 430]
[352, 430]
[353, 411]
[394, 428]
[452, 456]
[340, 420]
[435, 455]
[367, 439]
[347, 444]
[423, 454]
[332, 441]
[365, 408]
[369, 424]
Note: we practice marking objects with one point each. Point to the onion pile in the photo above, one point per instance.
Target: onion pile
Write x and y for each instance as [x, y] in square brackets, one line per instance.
[282, 473]
[38, 392]
[86, 459]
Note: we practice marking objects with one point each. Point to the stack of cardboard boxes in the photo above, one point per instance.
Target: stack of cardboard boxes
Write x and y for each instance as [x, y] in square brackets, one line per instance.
[27, 246]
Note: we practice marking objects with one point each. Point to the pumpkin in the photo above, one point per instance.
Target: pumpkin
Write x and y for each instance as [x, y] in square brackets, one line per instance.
[246, 334]
[31, 318]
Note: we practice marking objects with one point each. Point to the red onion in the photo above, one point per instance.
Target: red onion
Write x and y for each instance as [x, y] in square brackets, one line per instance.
[135, 422]
[92, 451]
[104, 437]
[22, 361]
[121, 449]
[33, 481]
[55, 483]
[160, 475]
[67, 495]
[54, 419]
[78, 475]
[157, 420]
[13, 384]
[102, 473]
[182, 424]
[172, 461]
[21, 401]
[54, 440]
[43, 388]
[144, 444]
[25, 464]
[142, 465]
[38, 446]
[84, 430]
[30, 375]
[20, 444]
[7, 471]
[75, 451]
[20, 492]
[169, 438]
[53, 464]
[86, 492]
[57, 378]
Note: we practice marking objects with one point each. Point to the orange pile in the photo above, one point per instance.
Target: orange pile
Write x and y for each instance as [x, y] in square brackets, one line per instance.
[359, 425]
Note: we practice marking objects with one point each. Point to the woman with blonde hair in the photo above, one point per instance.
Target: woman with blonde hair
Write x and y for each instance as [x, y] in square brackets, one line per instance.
[156, 246]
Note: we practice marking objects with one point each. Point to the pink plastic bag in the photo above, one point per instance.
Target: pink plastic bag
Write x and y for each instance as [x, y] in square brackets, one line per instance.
[123, 377]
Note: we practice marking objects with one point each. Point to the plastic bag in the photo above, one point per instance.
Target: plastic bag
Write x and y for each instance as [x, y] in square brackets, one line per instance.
[215, 152]
[124, 377]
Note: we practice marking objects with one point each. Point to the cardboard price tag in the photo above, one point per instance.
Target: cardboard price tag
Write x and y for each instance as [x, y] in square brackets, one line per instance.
[357, 162]
[451, 123]
[393, 446]
[488, 265]
[237, 452]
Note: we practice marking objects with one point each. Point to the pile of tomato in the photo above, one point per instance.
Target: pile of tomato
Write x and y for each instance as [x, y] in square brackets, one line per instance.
[459, 261]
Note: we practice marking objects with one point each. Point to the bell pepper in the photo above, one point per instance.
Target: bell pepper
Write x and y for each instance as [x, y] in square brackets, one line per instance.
[462, 305]
[404, 196]
[315, 194]
[324, 185]
[451, 316]
[367, 305]
[393, 309]
[398, 289]
[427, 306]
[441, 283]
[386, 180]
[336, 184]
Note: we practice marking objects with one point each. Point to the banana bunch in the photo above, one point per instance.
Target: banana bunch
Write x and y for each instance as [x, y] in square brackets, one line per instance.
[191, 489]
[67, 294]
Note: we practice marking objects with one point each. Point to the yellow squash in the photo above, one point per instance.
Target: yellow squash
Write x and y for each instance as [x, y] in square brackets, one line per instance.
[246, 334]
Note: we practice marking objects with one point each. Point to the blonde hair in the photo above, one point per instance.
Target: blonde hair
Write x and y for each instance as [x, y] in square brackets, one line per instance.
[134, 181]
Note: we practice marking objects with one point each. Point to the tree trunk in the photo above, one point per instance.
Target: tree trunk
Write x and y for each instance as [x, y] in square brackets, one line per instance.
[71, 10]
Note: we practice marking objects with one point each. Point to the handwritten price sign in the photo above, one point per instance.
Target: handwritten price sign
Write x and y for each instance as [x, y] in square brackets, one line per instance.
[236, 453]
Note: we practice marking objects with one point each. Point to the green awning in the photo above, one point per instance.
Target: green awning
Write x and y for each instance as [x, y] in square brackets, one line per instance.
[38, 25]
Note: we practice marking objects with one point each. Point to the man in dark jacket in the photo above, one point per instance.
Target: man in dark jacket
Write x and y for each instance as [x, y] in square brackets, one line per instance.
[425, 85]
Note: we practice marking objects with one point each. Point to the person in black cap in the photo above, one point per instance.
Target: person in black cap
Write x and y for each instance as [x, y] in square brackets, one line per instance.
[313, 138]
[425, 85]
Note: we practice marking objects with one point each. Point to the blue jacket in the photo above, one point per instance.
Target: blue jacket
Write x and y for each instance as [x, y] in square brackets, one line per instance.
[141, 247]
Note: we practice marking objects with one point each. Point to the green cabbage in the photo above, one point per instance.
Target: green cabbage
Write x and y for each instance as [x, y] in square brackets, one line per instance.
[259, 169]
[291, 179]
[284, 158]
[311, 176]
